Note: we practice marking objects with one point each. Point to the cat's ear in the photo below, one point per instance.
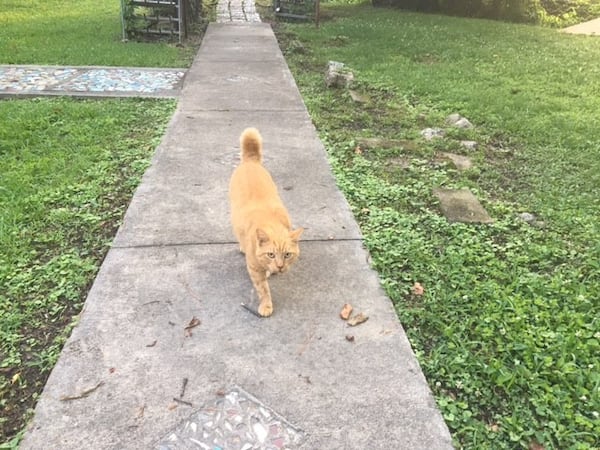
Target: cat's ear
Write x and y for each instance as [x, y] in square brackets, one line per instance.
[262, 237]
[295, 234]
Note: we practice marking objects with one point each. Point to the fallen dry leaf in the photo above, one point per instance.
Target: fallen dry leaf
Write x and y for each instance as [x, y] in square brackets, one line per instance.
[357, 319]
[358, 150]
[346, 311]
[418, 289]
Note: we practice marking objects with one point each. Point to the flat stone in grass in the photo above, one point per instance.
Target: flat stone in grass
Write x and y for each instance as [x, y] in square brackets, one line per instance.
[458, 121]
[460, 205]
[366, 143]
[402, 163]
[432, 133]
[460, 162]
[469, 145]
[357, 97]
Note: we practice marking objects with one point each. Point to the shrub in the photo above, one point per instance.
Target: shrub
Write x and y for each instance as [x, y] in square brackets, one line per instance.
[548, 12]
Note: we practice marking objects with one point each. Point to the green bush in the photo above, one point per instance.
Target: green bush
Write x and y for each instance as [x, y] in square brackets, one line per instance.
[567, 12]
[548, 12]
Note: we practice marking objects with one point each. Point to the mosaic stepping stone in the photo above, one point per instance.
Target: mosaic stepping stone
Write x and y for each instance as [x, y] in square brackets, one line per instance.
[107, 81]
[233, 421]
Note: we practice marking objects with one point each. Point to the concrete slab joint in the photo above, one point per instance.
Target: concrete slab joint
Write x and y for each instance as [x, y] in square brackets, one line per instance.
[173, 359]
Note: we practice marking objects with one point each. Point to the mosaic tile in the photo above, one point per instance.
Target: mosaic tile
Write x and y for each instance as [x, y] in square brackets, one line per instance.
[22, 80]
[234, 421]
[16, 80]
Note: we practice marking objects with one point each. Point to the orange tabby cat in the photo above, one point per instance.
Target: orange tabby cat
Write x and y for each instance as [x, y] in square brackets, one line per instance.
[260, 221]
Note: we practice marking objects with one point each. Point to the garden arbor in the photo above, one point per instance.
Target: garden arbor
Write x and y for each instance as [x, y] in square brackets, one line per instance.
[157, 18]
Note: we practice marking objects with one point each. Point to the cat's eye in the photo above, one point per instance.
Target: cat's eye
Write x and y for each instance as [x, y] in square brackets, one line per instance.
[271, 255]
[287, 255]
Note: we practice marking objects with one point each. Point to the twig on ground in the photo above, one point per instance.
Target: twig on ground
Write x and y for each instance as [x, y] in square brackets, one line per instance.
[249, 308]
[183, 402]
[66, 398]
[183, 386]
[193, 324]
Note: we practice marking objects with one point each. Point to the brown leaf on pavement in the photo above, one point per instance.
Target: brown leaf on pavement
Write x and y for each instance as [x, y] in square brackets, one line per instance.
[346, 311]
[357, 319]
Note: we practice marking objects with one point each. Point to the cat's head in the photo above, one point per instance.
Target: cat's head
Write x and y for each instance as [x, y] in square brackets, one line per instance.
[276, 251]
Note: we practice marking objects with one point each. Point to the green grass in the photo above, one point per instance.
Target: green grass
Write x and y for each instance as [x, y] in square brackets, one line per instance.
[508, 331]
[83, 32]
[68, 171]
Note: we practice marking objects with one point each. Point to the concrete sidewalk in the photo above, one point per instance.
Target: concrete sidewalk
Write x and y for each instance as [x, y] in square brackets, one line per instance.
[591, 28]
[165, 357]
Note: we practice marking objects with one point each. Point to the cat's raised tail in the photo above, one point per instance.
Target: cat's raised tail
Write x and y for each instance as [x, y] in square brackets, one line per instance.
[251, 145]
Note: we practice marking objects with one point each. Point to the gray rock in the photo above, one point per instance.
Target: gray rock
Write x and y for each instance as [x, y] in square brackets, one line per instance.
[458, 121]
[531, 219]
[359, 98]
[460, 205]
[338, 75]
[432, 133]
[469, 145]
[453, 118]
[527, 217]
[460, 162]
[463, 123]
[370, 143]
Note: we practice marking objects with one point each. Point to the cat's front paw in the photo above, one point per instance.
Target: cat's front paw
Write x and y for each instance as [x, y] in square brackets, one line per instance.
[265, 309]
